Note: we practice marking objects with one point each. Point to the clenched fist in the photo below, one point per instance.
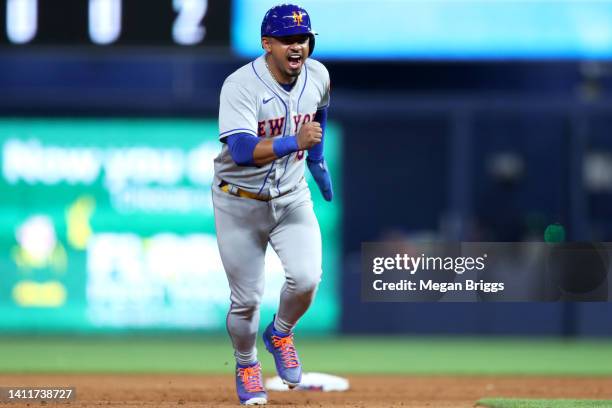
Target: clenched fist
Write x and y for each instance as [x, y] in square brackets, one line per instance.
[309, 135]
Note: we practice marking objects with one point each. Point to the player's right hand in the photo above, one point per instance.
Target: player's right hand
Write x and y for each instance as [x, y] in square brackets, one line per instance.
[309, 135]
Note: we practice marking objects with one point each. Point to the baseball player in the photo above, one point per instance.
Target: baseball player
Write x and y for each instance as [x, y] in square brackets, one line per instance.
[271, 112]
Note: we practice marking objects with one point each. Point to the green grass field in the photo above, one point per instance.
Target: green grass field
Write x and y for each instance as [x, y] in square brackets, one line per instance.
[359, 355]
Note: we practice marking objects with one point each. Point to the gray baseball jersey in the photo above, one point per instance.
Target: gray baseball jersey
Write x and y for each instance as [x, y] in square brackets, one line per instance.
[253, 102]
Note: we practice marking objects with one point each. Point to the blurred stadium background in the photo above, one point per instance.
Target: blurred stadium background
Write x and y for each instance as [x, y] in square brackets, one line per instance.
[456, 120]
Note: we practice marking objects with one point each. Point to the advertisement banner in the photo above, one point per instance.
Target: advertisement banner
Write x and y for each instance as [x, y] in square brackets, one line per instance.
[107, 224]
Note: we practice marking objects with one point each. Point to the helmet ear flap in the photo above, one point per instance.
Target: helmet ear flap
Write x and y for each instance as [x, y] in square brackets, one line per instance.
[311, 44]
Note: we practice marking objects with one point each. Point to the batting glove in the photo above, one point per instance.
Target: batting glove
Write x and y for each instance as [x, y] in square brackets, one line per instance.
[318, 169]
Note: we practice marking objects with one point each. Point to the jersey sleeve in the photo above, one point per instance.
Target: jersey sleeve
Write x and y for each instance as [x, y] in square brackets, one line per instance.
[237, 111]
[326, 89]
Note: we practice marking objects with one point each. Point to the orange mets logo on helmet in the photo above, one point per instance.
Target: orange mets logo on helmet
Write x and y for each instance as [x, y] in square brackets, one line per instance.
[297, 17]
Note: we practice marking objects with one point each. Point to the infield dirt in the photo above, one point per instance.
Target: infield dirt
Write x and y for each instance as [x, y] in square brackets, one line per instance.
[366, 391]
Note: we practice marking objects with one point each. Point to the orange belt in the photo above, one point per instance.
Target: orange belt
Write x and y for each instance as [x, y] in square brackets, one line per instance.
[231, 189]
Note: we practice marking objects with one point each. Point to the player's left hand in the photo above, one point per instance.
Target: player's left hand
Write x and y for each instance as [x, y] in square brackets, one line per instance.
[318, 169]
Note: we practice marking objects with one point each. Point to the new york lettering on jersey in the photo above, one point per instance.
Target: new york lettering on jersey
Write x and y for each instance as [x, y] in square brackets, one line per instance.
[273, 127]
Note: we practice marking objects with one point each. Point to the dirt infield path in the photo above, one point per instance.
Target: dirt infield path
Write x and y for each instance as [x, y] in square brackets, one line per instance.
[366, 391]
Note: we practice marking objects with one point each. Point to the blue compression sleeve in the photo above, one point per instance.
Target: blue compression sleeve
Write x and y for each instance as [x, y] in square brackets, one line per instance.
[316, 151]
[241, 147]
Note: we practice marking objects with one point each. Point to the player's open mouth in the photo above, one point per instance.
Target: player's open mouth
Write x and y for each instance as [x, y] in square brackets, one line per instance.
[295, 60]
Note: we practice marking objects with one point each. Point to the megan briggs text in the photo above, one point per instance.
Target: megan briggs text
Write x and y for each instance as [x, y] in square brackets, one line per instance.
[468, 285]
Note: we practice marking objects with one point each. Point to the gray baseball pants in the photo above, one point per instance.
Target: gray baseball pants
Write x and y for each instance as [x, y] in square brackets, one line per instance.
[244, 227]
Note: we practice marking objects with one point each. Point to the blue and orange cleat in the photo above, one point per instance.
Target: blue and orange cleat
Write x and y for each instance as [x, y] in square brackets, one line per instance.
[249, 385]
[281, 346]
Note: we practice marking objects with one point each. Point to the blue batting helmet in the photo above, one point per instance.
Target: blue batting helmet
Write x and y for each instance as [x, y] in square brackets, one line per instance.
[285, 20]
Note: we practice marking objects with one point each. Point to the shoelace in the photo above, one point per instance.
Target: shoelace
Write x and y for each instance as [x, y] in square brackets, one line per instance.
[288, 353]
[251, 378]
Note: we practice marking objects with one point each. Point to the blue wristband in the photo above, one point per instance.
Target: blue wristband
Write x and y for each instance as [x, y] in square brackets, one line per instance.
[283, 146]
